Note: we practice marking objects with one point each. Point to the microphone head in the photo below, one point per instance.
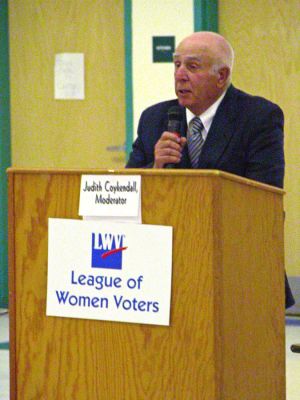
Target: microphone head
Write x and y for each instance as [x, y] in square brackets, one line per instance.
[175, 116]
[176, 113]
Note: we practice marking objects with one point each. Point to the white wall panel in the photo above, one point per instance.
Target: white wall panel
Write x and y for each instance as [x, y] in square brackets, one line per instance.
[153, 82]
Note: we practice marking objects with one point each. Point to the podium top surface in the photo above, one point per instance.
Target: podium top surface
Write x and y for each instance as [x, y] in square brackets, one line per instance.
[147, 172]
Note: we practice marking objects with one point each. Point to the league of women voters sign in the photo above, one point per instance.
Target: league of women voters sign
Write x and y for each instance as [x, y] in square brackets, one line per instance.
[109, 271]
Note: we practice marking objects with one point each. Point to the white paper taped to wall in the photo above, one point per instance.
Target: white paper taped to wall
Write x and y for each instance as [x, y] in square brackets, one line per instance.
[69, 76]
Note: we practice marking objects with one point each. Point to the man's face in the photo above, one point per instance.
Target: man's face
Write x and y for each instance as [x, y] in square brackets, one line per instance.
[196, 84]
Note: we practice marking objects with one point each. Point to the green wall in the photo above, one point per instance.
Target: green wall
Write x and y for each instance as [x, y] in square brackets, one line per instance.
[206, 15]
[4, 149]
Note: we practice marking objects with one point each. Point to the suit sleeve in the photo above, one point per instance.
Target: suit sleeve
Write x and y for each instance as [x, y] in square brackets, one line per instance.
[265, 150]
[149, 131]
[137, 155]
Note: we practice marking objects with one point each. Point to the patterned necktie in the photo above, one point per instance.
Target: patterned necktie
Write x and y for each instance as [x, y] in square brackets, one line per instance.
[195, 141]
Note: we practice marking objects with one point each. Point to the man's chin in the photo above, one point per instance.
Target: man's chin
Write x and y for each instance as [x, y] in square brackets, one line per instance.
[183, 102]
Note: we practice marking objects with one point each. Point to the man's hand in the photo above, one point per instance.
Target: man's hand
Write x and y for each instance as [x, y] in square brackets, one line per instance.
[168, 149]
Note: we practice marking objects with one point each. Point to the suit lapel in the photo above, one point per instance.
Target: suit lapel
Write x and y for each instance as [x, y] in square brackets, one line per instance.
[220, 132]
[219, 135]
[185, 160]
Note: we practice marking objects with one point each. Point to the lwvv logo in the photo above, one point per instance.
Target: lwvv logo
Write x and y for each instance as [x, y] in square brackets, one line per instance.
[107, 250]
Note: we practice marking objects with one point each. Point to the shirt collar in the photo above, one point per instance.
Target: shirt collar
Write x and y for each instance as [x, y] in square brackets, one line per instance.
[208, 115]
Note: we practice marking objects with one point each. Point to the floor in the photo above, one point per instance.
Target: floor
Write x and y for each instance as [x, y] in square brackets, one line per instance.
[292, 359]
[4, 356]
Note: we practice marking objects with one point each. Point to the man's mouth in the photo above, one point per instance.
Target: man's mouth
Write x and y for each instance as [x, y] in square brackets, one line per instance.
[183, 91]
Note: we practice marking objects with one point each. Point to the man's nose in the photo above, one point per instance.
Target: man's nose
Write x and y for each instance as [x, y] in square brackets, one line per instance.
[181, 73]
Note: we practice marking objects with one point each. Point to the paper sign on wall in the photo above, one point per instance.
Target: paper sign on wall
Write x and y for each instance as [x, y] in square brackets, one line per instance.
[69, 76]
[109, 271]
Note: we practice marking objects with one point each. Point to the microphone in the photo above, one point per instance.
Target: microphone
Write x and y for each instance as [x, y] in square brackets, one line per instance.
[175, 116]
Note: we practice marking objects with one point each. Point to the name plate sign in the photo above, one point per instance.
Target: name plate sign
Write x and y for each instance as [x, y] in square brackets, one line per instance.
[109, 271]
[110, 195]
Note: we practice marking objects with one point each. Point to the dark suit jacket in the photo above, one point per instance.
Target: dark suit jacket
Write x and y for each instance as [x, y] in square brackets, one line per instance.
[245, 138]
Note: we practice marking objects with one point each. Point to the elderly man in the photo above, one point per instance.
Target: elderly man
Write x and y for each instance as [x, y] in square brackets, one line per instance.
[221, 128]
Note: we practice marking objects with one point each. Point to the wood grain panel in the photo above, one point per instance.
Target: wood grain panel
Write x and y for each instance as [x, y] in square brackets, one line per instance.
[225, 319]
[65, 358]
[252, 259]
[66, 133]
[265, 36]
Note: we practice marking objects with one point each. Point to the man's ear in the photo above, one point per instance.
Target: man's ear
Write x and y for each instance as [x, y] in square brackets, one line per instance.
[223, 76]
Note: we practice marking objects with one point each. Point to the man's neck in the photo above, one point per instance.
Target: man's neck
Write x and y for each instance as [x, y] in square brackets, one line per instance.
[208, 115]
[198, 110]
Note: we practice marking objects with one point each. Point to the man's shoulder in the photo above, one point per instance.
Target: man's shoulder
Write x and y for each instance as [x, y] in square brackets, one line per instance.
[161, 107]
[248, 101]
[154, 120]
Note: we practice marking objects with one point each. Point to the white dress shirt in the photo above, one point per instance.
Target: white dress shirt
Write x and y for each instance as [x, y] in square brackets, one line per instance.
[206, 117]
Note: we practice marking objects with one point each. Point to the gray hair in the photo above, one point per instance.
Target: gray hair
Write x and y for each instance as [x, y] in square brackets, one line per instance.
[225, 58]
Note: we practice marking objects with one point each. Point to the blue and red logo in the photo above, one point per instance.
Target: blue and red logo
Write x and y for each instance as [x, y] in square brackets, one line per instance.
[107, 250]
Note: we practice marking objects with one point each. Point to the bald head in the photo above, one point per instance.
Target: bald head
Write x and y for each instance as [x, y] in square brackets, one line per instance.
[202, 70]
[214, 46]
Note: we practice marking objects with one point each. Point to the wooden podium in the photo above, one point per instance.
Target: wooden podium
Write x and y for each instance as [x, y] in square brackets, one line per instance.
[226, 337]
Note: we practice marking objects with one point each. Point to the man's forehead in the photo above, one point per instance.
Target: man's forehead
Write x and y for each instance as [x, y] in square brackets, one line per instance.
[192, 52]
[191, 57]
